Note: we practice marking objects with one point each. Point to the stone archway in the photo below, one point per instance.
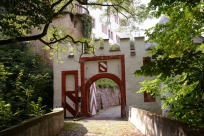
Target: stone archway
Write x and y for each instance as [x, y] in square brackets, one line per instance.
[112, 77]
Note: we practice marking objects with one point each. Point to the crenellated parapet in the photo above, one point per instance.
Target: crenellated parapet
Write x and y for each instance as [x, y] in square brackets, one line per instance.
[116, 62]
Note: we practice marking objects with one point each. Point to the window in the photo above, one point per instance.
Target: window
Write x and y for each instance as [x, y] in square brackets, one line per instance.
[93, 23]
[104, 29]
[146, 59]
[110, 34]
[75, 24]
[78, 8]
[116, 18]
[117, 39]
[148, 97]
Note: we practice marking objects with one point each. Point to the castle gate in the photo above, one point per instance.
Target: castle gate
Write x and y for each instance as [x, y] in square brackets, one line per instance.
[102, 64]
[73, 77]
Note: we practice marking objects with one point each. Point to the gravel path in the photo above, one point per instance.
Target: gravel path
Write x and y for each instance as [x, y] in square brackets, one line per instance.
[105, 123]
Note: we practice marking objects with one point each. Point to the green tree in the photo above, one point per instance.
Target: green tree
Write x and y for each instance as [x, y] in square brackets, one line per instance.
[19, 17]
[106, 83]
[177, 62]
[26, 85]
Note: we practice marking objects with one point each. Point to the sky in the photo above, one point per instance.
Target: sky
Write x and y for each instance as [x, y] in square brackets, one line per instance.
[149, 22]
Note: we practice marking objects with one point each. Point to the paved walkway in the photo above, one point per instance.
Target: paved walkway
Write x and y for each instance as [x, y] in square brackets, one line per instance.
[106, 123]
[113, 113]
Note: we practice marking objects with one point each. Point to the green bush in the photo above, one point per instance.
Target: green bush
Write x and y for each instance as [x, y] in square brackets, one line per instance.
[106, 83]
[6, 115]
[114, 47]
[26, 85]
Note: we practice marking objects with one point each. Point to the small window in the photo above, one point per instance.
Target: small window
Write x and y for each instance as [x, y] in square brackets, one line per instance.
[75, 24]
[78, 8]
[117, 39]
[104, 29]
[146, 59]
[116, 18]
[149, 98]
[110, 34]
[93, 23]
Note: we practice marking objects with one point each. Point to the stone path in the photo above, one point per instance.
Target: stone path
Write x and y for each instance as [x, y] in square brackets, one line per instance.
[106, 123]
[112, 113]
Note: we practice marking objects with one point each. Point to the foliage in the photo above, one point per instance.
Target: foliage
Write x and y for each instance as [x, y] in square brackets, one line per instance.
[6, 115]
[178, 82]
[24, 78]
[19, 18]
[106, 83]
[101, 42]
[132, 45]
[87, 25]
[36, 109]
[177, 62]
[130, 19]
[114, 47]
[89, 48]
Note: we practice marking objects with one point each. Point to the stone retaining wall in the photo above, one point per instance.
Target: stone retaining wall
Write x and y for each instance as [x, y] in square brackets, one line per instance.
[47, 125]
[107, 97]
[152, 124]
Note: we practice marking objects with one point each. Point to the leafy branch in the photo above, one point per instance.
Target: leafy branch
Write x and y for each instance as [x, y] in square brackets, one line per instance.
[40, 17]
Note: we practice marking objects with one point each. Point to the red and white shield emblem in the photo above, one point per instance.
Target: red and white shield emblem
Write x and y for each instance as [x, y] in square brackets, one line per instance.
[102, 66]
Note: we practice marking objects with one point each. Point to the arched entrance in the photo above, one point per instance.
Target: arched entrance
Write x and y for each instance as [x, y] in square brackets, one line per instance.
[99, 76]
[86, 83]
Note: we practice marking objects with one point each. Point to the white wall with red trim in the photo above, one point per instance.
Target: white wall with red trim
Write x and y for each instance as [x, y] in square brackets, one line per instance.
[132, 63]
[113, 67]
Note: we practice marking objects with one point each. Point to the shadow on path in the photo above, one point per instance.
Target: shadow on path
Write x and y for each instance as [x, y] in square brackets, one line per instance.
[73, 129]
[105, 123]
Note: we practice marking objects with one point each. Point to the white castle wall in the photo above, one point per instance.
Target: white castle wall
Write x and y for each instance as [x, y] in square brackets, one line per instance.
[132, 63]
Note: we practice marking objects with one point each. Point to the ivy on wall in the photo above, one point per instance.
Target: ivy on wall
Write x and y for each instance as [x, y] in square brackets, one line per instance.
[87, 25]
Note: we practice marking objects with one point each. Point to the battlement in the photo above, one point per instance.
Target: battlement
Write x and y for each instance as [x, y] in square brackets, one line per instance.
[117, 63]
